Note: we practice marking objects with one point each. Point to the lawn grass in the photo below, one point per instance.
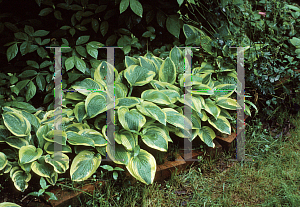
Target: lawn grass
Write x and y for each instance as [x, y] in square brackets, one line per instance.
[272, 179]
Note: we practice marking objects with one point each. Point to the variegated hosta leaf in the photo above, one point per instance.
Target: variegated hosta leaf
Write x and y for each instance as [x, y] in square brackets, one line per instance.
[177, 57]
[167, 72]
[76, 139]
[131, 120]
[211, 108]
[128, 102]
[138, 76]
[41, 168]
[118, 154]
[3, 160]
[201, 89]
[53, 178]
[21, 179]
[177, 119]
[49, 148]
[99, 140]
[143, 167]
[207, 135]
[146, 63]
[227, 103]
[100, 74]
[9, 204]
[120, 90]
[95, 104]
[59, 163]
[204, 68]
[196, 120]
[76, 127]
[221, 124]
[87, 86]
[155, 138]
[225, 113]
[16, 142]
[29, 153]
[172, 95]
[152, 110]
[156, 97]
[131, 61]
[75, 96]
[80, 112]
[4, 133]
[157, 85]
[196, 103]
[57, 136]
[127, 139]
[84, 165]
[183, 133]
[202, 115]
[17, 124]
[224, 90]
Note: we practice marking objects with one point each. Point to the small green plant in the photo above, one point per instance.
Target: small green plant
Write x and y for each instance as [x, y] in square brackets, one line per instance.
[43, 190]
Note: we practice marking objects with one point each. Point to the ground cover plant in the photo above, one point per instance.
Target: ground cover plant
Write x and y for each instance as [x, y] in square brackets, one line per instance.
[150, 80]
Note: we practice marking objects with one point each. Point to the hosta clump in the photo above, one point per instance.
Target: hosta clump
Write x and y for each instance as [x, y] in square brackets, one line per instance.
[149, 101]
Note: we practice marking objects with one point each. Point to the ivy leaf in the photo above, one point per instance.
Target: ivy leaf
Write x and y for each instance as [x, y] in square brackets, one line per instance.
[136, 7]
[42, 52]
[124, 5]
[104, 28]
[12, 52]
[173, 25]
[30, 91]
[33, 64]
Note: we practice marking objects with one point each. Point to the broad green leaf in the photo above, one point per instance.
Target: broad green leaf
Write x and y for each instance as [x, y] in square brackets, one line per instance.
[3, 160]
[21, 179]
[120, 91]
[173, 25]
[130, 61]
[178, 59]
[152, 110]
[118, 153]
[27, 73]
[31, 91]
[84, 165]
[155, 138]
[224, 90]
[138, 76]
[57, 136]
[40, 33]
[49, 148]
[124, 5]
[60, 165]
[95, 104]
[211, 108]
[104, 28]
[41, 168]
[40, 81]
[167, 72]
[80, 112]
[82, 40]
[12, 52]
[87, 86]
[146, 63]
[136, 7]
[9, 204]
[96, 136]
[76, 139]
[21, 35]
[79, 64]
[126, 138]
[227, 103]
[128, 102]
[221, 124]
[142, 167]
[16, 142]
[29, 30]
[45, 11]
[95, 25]
[177, 119]
[131, 120]
[17, 124]
[23, 105]
[205, 67]
[207, 135]
[156, 97]
[81, 51]
[29, 154]
[69, 63]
